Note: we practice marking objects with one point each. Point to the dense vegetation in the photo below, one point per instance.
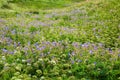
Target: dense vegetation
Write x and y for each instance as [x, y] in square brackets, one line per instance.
[59, 40]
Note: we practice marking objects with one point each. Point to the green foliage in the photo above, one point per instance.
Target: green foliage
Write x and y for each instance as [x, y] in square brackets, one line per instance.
[79, 42]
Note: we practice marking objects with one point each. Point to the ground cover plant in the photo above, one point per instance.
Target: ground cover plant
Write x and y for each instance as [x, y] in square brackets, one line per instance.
[75, 40]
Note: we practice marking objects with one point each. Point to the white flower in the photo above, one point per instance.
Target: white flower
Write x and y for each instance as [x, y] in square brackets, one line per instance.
[3, 58]
[40, 59]
[53, 62]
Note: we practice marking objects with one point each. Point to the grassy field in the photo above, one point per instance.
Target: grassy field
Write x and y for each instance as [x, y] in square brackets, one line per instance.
[60, 40]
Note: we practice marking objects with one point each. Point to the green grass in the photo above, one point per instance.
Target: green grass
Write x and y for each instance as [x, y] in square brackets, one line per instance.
[41, 4]
[12, 7]
[80, 41]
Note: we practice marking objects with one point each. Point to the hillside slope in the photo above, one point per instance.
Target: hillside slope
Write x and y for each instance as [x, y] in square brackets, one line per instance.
[80, 41]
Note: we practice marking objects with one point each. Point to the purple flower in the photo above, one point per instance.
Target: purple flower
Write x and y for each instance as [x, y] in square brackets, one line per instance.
[42, 24]
[54, 43]
[13, 31]
[81, 54]
[36, 44]
[15, 44]
[29, 43]
[4, 50]
[95, 48]
[85, 45]
[91, 52]
[2, 20]
[100, 44]
[94, 29]
[48, 16]
[73, 53]
[28, 61]
[79, 61]
[75, 44]
[110, 50]
[25, 48]
[6, 28]
[11, 52]
[41, 48]
[47, 43]
[19, 43]
[72, 61]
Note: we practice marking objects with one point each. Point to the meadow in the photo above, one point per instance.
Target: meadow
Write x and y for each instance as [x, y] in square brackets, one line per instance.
[59, 39]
